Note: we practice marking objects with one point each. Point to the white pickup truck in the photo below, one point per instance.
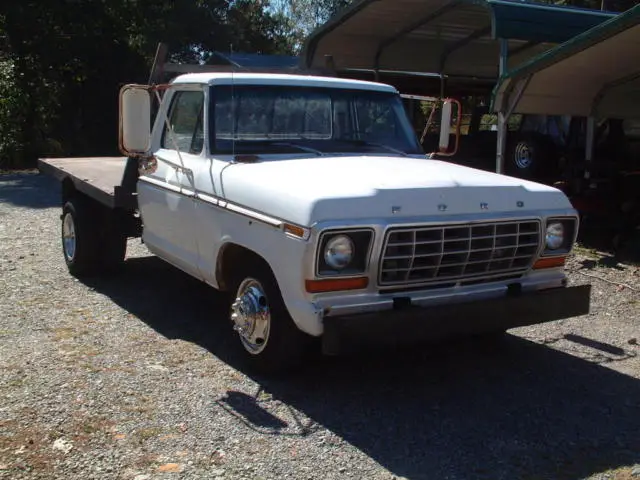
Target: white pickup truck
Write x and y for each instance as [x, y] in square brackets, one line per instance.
[309, 199]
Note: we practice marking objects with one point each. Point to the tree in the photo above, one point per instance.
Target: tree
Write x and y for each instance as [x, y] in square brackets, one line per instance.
[306, 15]
[62, 62]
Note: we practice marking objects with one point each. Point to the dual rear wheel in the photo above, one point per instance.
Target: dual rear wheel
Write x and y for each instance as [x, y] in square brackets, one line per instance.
[92, 239]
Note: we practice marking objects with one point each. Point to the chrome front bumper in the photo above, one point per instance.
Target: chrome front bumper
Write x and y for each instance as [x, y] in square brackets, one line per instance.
[342, 304]
[409, 322]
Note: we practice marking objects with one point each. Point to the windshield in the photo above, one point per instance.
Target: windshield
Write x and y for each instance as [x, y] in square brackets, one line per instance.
[285, 119]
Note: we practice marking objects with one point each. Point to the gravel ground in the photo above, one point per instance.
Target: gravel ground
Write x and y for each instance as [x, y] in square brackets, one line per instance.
[135, 377]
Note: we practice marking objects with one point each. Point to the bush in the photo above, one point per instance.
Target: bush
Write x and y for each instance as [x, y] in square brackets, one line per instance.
[12, 106]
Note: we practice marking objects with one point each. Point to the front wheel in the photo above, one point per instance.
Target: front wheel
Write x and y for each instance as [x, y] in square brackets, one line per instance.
[269, 339]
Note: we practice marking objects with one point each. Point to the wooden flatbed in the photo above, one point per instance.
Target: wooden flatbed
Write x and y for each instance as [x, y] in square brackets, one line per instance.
[108, 180]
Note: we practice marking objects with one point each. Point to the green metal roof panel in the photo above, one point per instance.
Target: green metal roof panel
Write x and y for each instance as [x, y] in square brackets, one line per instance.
[538, 23]
[578, 43]
[578, 69]
[453, 37]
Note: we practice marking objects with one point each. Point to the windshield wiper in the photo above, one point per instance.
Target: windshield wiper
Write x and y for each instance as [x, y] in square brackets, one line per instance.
[296, 145]
[374, 144]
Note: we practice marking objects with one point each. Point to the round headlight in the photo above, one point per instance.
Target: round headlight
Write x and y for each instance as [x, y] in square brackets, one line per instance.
[339, 252]
[555, 235]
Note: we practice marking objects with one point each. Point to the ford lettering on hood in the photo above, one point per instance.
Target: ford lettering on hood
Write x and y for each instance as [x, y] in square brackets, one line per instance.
[316, 189]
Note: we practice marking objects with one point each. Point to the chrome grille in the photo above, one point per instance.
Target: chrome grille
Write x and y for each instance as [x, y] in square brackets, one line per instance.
[449, 253]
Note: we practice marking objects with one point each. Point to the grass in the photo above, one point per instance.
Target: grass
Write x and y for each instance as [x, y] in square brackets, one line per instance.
[67, 333]
[592, 253]
[17, 382]
[149, 432]
[84, 427]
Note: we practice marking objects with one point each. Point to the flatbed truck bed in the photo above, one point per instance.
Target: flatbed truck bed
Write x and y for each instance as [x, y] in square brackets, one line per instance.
[108, 180]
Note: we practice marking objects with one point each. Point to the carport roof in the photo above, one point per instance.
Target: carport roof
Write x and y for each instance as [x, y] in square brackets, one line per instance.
[454, 37]
[596, 73]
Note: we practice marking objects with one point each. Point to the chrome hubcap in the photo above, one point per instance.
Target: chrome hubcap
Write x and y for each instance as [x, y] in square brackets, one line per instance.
[69, 236]
[523, 155]
[251, 316]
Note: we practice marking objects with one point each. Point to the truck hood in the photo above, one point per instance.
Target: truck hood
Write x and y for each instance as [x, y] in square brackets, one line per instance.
[311, 190]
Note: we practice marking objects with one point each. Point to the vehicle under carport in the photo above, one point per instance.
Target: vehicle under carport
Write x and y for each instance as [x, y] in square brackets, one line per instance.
[452, 47]
[595, 76]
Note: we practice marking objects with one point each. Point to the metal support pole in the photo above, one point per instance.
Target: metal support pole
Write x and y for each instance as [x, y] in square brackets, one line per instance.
[412, 111]
[502, 116]
[502, 142]
[329, 64]
[504, 56]
[588, 153]
[512, 98]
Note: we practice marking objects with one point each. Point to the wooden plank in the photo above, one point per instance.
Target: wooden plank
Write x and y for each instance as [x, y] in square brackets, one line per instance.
[102, 172]
[100, 178]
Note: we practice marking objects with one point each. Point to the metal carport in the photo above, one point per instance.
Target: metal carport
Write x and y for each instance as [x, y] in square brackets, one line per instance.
[463, 44]
[468, 41]
[595, 74]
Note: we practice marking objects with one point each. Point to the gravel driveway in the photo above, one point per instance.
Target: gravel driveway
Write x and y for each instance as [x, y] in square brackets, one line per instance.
[134, 377]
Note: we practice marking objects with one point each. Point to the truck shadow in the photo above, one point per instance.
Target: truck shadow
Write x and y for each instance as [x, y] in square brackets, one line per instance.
[29, 190]
[460, 410]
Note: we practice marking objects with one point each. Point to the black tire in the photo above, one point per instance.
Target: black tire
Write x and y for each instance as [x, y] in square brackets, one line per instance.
[98, 244]
[286, 346]
[529, 156]
[114, 242]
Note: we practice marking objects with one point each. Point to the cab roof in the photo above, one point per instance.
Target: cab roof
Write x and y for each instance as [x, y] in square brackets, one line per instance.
[228, 78]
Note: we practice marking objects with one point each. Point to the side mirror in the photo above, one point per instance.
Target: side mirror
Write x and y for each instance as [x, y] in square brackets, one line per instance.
[446, 128]
[135, 120]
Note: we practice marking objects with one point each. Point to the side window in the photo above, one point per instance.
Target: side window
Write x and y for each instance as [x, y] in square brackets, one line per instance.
[186, 119]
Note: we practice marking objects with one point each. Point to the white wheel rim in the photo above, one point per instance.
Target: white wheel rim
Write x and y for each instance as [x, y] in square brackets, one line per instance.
[251, 316]
[69, 236]
[523, 155]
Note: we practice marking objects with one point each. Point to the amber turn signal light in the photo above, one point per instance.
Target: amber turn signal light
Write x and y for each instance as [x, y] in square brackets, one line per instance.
[552, 262]
[295, 230]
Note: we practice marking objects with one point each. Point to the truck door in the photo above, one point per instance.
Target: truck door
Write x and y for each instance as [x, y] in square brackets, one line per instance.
[167, 196]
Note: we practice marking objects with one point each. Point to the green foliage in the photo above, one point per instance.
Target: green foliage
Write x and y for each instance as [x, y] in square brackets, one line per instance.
[64, 62]
[10, 108]
[306, 15]
[16, 142]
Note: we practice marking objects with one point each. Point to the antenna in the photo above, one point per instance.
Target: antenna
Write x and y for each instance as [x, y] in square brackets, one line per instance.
[233, 128]
[233, 112]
